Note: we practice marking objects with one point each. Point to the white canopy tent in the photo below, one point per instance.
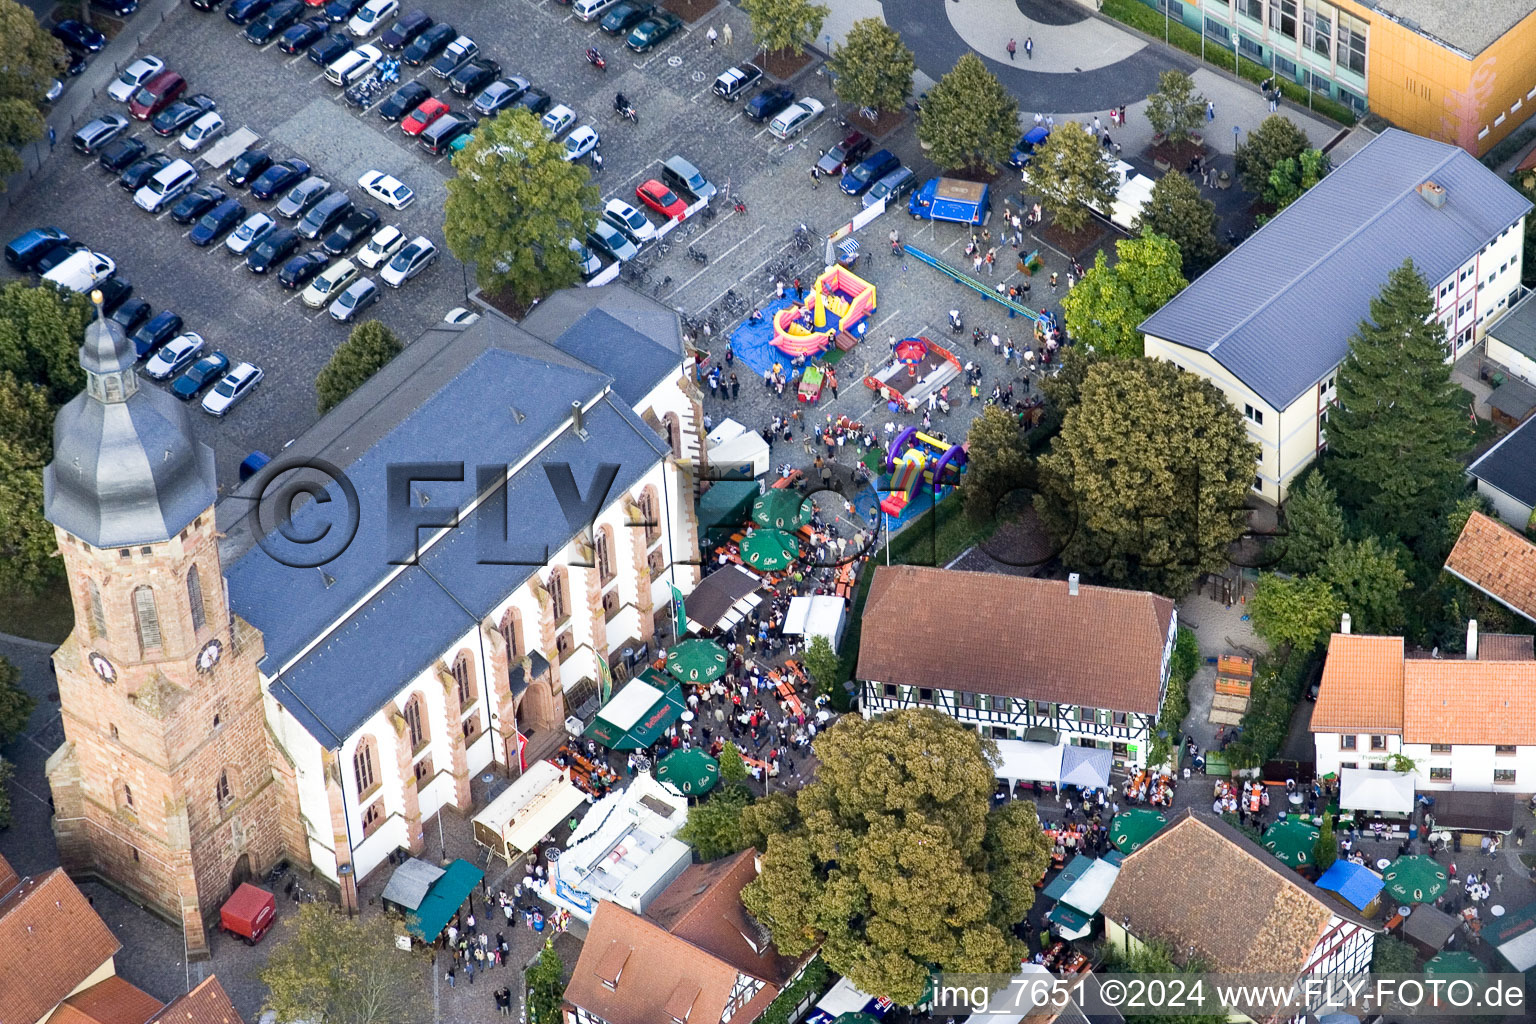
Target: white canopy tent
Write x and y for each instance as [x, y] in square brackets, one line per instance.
[736, 451]
[1091, 889]
[1365, 789]
[527, 811]
[1028, 761]
[818, 615]
[1520, 951]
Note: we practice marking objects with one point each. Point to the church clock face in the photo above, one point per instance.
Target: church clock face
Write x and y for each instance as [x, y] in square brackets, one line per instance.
[102, 667]
[209, 656]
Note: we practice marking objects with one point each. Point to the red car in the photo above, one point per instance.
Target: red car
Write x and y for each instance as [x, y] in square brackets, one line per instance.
[661, 199]
[417, 121]
[155, 95]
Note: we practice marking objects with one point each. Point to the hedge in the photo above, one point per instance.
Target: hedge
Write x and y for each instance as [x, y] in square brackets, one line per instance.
[811, 979]
[1276, 689]
[1186, 661]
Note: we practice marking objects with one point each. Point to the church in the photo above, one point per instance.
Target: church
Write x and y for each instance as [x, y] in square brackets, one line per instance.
[422, 587]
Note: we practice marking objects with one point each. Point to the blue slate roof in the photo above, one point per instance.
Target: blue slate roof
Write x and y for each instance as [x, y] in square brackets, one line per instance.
[1356, 884]
[1278, 311]
[634, 361]
[1510, 465]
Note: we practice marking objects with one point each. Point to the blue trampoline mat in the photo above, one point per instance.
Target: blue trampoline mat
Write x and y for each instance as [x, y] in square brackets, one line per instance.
[753, 343]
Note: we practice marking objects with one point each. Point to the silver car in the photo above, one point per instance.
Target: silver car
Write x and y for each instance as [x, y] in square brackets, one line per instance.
[302, 197]
[250, 234]
[410, 261]
[360, 294]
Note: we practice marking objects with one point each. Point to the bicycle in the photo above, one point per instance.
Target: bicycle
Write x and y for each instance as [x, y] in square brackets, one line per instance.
[661, 286]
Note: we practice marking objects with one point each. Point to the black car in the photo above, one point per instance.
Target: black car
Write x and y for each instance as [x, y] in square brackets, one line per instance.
[300, 37]
[405, 30]
[474, 76]
[217, 222]
[535, 101]
[194, 204]
[243, 12]
[56, 254]
[626, 15]
[119, 153]
[131, 314]
[404, 100]
[501, 94]
[78, 36]
[278, 17]
[301, 269]
[280, 177]
[769, 102]
[178, 115]
[439, 136]
[248, 166]
[329, 49]
[200, 375]
[273, 250]
[75, 62]
[121, 8]
[342, 10]
[114, 292]
[358, 225]
[429, 44]
[140, 171]
[165, 326]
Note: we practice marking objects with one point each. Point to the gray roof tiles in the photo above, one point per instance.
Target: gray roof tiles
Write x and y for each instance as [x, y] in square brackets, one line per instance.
[1517, 328]
[1510, 465]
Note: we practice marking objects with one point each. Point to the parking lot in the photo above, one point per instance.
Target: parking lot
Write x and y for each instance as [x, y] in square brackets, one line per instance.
[295, 112]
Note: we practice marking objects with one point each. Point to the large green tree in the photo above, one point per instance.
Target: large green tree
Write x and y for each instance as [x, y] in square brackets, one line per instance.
[1396, 440]
[824, 666]
[1292, 176]
[334, 969]
[1314, 524]
[772, 815]
[1175, 110]
[713, 827]
[514, 207]
[969, 120]
[998, 462]
[898, 864]
[30, 58]
[41, 328]
[1105, 309]
[1275, 139]
[1176, 210]
[873, 68]
[1294, 614]
[1370, 581]
[28, 549]
[1146, 483]
[546, 986]
[365, 352]
[1072, 175]
[785, 26]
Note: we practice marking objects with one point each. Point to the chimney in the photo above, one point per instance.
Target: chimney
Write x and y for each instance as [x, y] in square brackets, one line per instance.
[1344, 625]
[576, 412]
[1433, 193]
[1072, 580]
[1471, 639]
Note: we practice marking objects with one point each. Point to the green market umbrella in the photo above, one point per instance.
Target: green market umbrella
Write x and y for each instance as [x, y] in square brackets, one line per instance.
[688, 772]
[1291, 841]
[696, 661]
[769, 550]
[782, 508]
[1415, 879]
[1131, 828]
[1453, 962]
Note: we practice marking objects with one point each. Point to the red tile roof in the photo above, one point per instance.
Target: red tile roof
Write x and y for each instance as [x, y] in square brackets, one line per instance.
[704, 907]
[1015, 636]
[50, 941]
[1491, 557]
[113, 1001]
[1362, 686]
[208, 1003]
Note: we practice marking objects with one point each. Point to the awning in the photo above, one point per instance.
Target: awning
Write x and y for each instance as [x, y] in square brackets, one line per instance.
[544, 815]
[639, 713]
[1353, 883]
[1365, 789]
[1071, 923]
[1090, 891]
[1514, 936]
[816, 615]
[1085, 766]
[444, 899]
[1068, 875]
[727, 505]
[719, 592]
[410, 883]
[1021, 760]
[1458, 811]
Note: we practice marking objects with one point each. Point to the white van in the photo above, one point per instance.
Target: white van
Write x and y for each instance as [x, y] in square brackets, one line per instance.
[591, 10]
[172, 180]
[82, 271]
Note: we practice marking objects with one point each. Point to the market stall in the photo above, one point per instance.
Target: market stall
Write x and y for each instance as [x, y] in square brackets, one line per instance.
[1028, 761]
[639, 713]
[1086, 767]
[446, 895]
[723, 598]
[1355, 884]
[1364, 789]
[737, 453]
[409, 885]
[532, 807]
[1078, 902]
[817, 615]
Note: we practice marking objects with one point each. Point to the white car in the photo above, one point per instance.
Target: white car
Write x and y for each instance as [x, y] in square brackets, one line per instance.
[579, 143]
[331, 282]
[249, 234]
[793, 119]
[134, 75]
[459, 315]
[409, 262]
[558, 120]
[387, 189]
[586, 259]
[237, 383]
[82, 271]
[175, 356]
[384, 244]
[360, 294]
[353, 64]
[200, 131]
[629, 220]
[367, 20]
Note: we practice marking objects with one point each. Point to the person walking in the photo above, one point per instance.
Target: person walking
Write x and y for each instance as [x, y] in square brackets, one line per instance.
[832, 383]
[1029, 47]
[52, 136]
[815, 176]
[1013, 48]
[1210, 111]
[736, 387]
[452, 977]
[725, 33]
[712, 35]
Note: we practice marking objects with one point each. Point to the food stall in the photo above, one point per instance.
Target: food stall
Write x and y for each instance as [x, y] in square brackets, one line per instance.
[529, 809]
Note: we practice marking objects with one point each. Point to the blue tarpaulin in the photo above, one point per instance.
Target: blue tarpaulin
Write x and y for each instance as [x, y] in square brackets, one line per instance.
[1356, 884]
[753, 343]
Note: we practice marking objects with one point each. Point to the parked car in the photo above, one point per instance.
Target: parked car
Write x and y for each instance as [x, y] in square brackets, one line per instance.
[661, 199]
[405, 30]
[473, 76]
[55, 90]
[871, 169]
[626, 15]
[652, 31]
[891, 187]
[441, 134]
[1025, 148]
[165, 186]
[131, 313]
[612, 242]
[75, 62]
[161, 328]
[558, 120]
[335, 280]
[114, 292]
[429, 44]
[329, 48]
[325, 215]
[409, 261]
[500, 94]
[24, 249]
[354, 64]
[371, 17]
[579, 143]
[78, 36]
[338, 11]
[134, 75]
[157, 93]
[227, 393]
[194, 204]
[460, 316]
[680, 174]
[360, 294]
[137, 174]
[175, 355]
[201, 131]
[300, 37]
[462, 140]
[301, 269]
[381, 247]
[247, 167]
[426, 112]
[303, 197]
[200, 376]
[794, 119]
[250, 233]
[769, 102]
[736, 80]
[357, 225]
[536, 101]
[629, 220]
[98, 133]
[117, 8]
[243, 12]
[206, 5]
[272, 251]
[217, 222]
[55, 254]
[586, 259]
[457, 53]
[270, 25]
[404, 100]
[387, 189]
[178, 116]
[279, 178]
[845, 154]
[119, 153]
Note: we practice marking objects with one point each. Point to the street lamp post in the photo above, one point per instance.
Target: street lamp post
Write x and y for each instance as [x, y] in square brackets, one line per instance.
[1235, 132]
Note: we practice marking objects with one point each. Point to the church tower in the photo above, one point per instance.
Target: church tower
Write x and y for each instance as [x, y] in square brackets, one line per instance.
[168, 783]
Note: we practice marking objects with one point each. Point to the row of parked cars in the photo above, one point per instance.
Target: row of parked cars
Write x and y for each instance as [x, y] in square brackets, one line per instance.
[166, 350]
[643, 25]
